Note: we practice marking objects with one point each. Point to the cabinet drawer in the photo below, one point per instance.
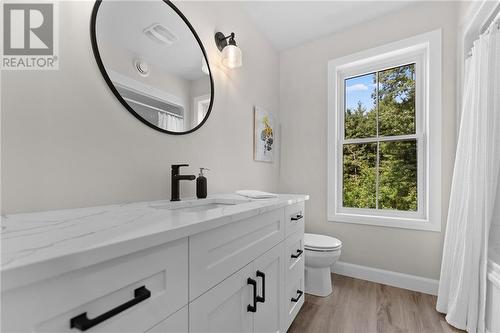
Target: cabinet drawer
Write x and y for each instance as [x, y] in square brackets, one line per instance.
[294, 218]
[295, 254]
[294, 266]
[218, 253]
[176, 323]
[48, 306]
[294, 299]
[294, 275]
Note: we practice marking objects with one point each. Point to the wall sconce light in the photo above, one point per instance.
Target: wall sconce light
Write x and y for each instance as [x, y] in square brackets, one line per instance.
[231, 54]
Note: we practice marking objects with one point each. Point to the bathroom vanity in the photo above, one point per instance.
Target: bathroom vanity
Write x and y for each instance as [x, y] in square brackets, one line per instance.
[219, 264]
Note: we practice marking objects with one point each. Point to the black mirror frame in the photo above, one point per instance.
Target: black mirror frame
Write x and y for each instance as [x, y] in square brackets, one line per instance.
[95, 49]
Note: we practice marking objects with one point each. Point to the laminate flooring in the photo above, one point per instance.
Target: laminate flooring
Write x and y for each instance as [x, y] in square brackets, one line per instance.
[362, 306]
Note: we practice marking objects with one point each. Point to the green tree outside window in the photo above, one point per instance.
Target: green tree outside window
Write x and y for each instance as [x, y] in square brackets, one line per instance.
[381, 172]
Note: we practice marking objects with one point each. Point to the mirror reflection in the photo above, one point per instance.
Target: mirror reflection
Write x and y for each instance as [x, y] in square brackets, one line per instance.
[155, 63]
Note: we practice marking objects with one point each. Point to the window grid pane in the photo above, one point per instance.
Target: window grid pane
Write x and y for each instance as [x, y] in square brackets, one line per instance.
[360, 109]
[396, 100]
[398, 175]
[359, 175]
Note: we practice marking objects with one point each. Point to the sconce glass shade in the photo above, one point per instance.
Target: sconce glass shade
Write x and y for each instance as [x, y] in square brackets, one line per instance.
[231, 56]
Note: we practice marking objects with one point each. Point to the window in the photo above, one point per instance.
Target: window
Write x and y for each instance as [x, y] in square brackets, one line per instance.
[384, 111]
[201, 105]
[379, 146]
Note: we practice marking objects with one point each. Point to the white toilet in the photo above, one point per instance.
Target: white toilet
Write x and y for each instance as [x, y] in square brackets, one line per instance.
[321, 253]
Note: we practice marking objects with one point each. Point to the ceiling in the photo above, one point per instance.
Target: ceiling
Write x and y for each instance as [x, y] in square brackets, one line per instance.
[290, 23]
[121, 23]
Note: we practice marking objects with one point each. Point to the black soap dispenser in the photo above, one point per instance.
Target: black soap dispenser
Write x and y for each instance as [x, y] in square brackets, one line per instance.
[201, 185]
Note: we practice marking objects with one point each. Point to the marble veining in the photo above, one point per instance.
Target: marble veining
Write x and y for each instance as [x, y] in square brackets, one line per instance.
[45, 244]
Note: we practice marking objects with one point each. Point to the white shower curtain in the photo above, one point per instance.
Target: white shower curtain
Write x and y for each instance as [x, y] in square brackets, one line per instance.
[462, 286]
[170, 123]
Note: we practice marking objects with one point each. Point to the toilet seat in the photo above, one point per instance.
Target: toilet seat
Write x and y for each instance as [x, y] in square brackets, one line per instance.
[321, 243]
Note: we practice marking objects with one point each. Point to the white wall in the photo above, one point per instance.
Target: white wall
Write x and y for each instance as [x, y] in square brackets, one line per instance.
[198, 88]
[67, 142]
[303, 105]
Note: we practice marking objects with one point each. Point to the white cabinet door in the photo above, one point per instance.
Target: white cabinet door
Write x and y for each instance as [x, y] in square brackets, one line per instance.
[224, 308]
[270, 315]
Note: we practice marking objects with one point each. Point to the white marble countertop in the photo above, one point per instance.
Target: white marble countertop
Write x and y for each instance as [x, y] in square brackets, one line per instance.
[37, 246]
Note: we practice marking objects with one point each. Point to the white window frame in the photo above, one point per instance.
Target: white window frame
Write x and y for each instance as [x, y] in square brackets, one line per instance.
[197, 104]
[425, 52]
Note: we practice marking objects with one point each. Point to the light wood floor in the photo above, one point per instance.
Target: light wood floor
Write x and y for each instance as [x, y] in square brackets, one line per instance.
[365, 307]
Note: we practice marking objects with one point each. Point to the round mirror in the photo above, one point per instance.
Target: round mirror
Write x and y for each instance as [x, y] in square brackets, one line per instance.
[154, 62]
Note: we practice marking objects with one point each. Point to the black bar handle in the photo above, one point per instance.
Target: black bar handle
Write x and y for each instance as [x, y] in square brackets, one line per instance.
[83, 323]
[299, 252]
[253, 308]
[297, 217]
[262, 298]
[299, 295]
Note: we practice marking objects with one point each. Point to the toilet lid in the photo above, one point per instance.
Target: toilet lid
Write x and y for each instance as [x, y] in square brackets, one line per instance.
[321, 242]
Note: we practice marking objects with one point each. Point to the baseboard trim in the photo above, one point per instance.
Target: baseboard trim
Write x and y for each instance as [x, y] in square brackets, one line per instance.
[395, 279]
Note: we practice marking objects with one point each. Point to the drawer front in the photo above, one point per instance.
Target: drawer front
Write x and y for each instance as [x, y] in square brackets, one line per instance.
[294, 299]
[295, 255]
[176, 323]
[49, 306]
[218, 253]
[294, 275]
[295, 218]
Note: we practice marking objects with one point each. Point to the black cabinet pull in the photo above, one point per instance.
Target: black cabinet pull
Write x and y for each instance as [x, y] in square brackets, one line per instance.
[299, 295]
[299, 252]
[297, 217]
[262, 298]
[253, 308]
[83, 323]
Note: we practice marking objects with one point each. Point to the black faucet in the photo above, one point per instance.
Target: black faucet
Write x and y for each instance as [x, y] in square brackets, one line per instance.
[176, 178]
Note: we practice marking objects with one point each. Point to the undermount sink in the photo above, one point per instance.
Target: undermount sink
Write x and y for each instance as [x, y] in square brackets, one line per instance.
[203, 207]
[193, 206]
